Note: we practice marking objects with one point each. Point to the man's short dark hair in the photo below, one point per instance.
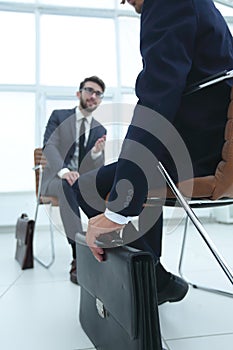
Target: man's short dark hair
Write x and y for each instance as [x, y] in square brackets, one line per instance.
[94, 79]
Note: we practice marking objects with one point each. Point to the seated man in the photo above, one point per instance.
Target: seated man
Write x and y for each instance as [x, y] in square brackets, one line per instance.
[73, 144]
[181, 42]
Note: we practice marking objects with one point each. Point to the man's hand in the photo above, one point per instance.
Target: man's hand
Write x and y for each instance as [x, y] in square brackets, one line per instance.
[71, 177]
[98, 226]
[99, 145]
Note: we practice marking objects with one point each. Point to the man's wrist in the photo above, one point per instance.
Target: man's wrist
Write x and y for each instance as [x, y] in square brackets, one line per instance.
[95, 155]
[62, 172]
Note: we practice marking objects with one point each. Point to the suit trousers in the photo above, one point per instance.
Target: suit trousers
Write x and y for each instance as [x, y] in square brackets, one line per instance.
[92, 189]
[68, 205]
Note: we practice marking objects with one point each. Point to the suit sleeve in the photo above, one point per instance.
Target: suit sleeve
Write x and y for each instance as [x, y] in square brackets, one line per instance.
[50, 127]
[89, 163]
[168, 32]
[52, 143]
[99, 161]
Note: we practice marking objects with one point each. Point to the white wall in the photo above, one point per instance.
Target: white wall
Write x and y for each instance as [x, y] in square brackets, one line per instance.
[13, 204]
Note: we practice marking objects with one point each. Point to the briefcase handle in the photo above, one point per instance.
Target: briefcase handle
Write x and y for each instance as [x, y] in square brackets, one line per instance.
[108, 240]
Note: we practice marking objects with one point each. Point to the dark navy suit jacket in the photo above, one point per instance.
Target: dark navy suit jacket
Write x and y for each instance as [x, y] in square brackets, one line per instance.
[60, 143]
[181, 42]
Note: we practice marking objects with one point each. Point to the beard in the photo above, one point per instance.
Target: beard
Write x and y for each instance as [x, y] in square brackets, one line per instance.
[87, 108]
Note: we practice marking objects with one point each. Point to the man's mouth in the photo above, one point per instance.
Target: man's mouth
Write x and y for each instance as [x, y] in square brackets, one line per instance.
[91, 103]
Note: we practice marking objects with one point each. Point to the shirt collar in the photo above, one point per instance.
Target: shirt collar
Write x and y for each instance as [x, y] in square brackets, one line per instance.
[79, 116]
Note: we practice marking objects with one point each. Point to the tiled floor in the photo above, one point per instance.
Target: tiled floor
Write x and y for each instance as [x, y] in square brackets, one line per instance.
[39, 308]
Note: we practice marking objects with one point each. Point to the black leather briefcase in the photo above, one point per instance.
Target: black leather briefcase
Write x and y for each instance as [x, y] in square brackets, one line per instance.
[24, 241]
[118, 302]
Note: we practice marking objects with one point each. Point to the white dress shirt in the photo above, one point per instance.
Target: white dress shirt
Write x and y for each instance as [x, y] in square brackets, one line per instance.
[88, 120]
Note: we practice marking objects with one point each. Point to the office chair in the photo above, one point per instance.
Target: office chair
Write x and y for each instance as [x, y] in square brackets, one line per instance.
[39, 164]
[208, 191]
[188, 205]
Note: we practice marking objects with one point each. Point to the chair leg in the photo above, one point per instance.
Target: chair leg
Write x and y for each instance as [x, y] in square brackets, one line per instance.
[181, 258]
[52, 249]
[181, 263]
[192, 216]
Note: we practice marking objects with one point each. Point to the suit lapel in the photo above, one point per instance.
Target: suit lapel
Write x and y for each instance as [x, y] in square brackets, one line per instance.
[72, 123]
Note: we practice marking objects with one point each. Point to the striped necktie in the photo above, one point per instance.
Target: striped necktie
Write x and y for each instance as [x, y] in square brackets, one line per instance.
[81, 141]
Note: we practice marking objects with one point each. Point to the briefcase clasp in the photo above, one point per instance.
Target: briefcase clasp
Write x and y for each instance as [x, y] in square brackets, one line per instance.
[100, 308]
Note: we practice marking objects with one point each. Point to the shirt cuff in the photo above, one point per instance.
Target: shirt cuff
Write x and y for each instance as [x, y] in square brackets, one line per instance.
[95, 155]
[117, 218]
[62, 172]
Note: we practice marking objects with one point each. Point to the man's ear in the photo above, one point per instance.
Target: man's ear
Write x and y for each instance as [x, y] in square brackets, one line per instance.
[78, 94]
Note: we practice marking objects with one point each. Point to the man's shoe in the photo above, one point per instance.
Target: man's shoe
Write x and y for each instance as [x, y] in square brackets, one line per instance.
[175, 290]
[73, 272]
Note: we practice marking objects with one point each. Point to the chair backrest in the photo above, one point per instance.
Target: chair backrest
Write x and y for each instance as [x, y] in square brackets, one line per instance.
[224, 171]
[39, 159]
[218, 185]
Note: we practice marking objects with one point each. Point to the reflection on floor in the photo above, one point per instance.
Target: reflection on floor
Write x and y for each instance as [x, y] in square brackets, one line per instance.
[39, 308]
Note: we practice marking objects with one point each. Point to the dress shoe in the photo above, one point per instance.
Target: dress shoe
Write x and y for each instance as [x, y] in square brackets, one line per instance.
[175, 290]
[73, 272]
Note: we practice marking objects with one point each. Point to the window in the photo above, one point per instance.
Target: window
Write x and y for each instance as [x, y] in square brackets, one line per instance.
[17, 42]
[81, 3]
[75, 47]
[24, 1]
[225, 10]
[130, 58]
[47, 48]
[17, 141]
[52, 104]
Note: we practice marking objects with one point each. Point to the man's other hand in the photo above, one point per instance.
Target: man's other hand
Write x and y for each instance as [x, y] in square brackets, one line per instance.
[71, 177]
[99, 145]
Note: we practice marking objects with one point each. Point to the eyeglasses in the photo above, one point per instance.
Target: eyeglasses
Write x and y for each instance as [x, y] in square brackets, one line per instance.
[91, 91]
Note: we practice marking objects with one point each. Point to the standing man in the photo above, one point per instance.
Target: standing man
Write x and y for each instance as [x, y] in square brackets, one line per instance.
[73, 144]
[181, 43]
